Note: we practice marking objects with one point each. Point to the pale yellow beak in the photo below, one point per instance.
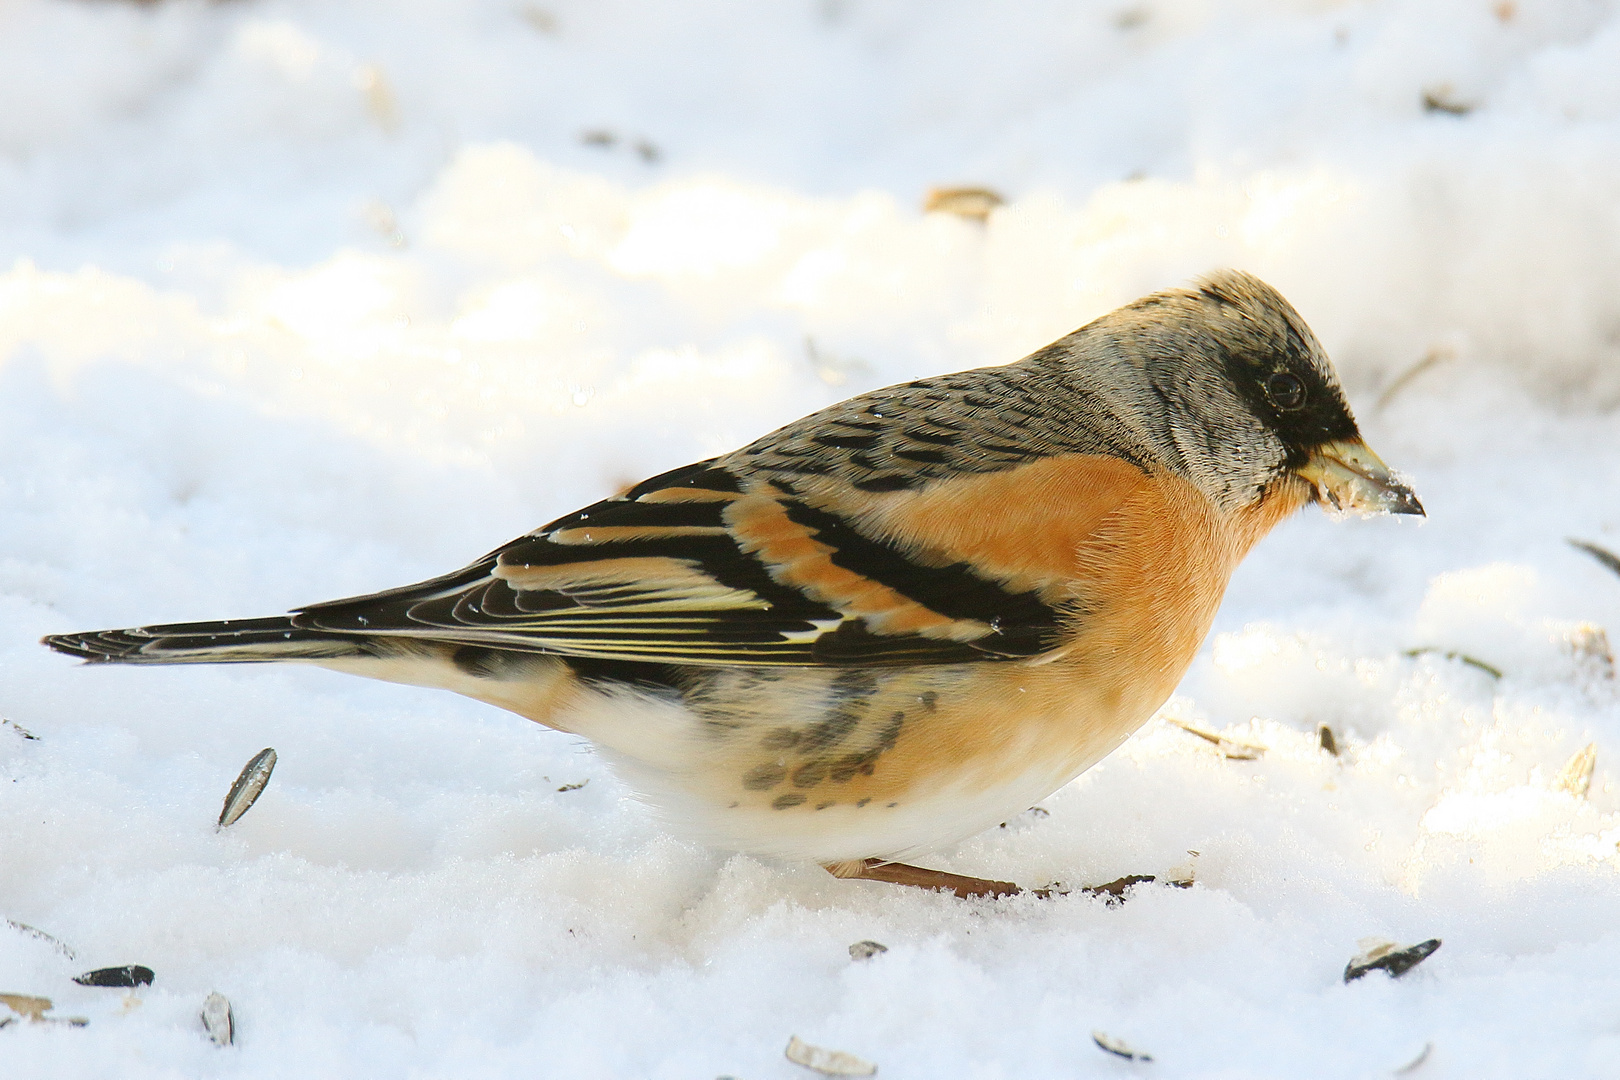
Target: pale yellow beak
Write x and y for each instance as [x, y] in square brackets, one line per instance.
[1348, 476]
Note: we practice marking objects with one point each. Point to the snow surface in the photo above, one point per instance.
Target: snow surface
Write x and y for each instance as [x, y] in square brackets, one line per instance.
[305, 299]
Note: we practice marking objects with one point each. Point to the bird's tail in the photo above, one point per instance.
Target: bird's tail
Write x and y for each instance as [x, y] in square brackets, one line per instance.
[232, 641]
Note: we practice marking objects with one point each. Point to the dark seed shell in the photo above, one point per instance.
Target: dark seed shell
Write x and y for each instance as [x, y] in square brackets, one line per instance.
[128, 975]
[1397, 962]
[245, 792]
[865, 950]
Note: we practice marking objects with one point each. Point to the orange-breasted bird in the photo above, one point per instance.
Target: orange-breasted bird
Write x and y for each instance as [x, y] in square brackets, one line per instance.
[901, 619]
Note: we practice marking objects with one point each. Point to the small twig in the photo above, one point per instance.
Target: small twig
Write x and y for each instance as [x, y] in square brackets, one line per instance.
[1451, 654]
[1438, 100]
[1412, 1066]
[1232, 749]
[36, 932]
[19, 729]
[1602, 554]
[1432, 359]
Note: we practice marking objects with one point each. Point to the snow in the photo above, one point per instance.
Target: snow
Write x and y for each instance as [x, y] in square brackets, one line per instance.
[299, 300]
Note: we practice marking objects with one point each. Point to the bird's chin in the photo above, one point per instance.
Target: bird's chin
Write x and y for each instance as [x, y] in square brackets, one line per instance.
[1350, 479]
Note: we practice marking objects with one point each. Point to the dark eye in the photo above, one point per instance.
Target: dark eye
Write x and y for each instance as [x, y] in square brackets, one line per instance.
[1285, 391]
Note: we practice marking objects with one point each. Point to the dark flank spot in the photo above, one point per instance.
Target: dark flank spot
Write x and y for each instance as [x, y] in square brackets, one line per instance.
[833, 730]
[653, 676]
[784, 802]
[823, 806]
[764, 777]
[892, 805]
[780, 739]
[810, 774]
[891, 731]
[760, 677]
[889, 482]
[845, 768]
[853, 685]
[850, 693]
[929, 700]
[474, 660]
[863, 802]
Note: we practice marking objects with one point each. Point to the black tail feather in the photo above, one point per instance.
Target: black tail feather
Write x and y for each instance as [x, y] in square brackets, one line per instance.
[233, 641]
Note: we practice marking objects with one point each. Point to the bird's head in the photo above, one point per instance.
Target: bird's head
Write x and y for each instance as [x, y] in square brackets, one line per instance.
[1226, 385]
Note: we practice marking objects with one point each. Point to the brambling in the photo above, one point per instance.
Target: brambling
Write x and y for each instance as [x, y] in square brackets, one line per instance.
[897, 621]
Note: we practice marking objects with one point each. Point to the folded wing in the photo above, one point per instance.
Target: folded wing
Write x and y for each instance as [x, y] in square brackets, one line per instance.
[697, 567]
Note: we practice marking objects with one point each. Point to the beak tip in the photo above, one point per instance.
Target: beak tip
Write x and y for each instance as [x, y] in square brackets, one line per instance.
[1408, 503]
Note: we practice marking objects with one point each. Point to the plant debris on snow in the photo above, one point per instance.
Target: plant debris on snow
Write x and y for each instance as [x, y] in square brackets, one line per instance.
[248, 787]
[827, 1062]
[1118, 1047]
[1379, 955]
[126, 976]
[865, 950]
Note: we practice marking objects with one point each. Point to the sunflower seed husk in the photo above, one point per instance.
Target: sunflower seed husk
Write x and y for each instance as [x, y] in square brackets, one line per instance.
[1118, 1048]
[128, 975]
[218, 1019]
[865, 950]
[1387, 956]
[248, 786]
[973, 203]
[1576, 776]
[827, 1062]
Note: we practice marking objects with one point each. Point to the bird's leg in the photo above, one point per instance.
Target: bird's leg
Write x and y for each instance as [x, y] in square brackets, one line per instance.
[923, 878]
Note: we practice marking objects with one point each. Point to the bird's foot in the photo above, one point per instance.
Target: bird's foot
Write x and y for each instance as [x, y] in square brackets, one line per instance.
[964, 887]
[921, 877]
